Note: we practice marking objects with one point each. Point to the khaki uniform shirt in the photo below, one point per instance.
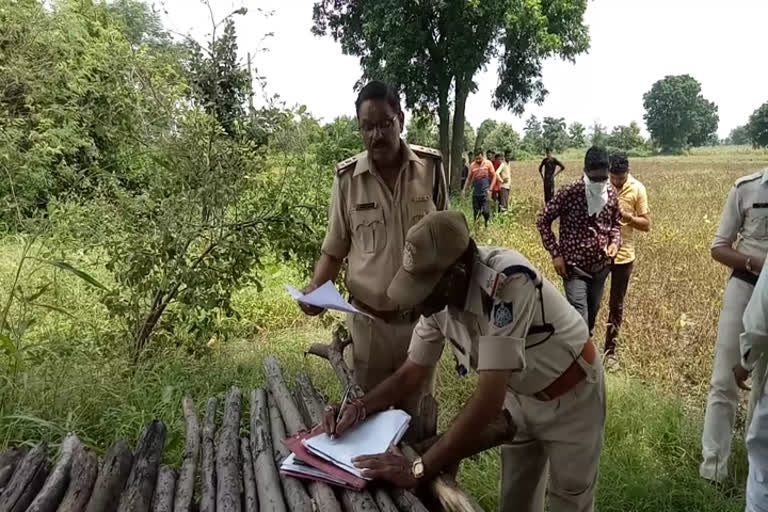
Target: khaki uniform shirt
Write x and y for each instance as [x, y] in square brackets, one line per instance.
[754, 339]
[511, 320]
[367, 222]
[745, 217]
[633, 199]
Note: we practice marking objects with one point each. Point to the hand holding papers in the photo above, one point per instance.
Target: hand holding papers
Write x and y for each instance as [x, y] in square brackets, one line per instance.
[326, 297]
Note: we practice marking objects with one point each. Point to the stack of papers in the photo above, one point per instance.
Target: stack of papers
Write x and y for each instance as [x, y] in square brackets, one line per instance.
[326, 297]
[318, 457]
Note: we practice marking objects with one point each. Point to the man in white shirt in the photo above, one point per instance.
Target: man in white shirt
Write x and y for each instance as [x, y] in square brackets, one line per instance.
[754, 345]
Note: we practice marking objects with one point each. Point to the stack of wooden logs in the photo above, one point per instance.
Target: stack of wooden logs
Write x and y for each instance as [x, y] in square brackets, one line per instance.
[223, 469]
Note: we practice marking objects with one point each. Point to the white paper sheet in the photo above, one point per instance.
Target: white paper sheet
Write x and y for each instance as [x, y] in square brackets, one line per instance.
[373, 436]
[295, 465]
[326, 297]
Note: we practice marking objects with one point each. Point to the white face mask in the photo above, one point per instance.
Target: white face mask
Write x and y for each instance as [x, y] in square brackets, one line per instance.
[597, 195]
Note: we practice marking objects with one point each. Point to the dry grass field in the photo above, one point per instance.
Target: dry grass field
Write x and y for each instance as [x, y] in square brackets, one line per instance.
[74, 377]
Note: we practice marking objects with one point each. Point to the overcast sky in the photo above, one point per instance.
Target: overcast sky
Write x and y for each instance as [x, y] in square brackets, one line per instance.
[633, 43]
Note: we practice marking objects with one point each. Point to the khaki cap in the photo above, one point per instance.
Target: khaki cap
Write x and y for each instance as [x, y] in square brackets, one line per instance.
[432, 245]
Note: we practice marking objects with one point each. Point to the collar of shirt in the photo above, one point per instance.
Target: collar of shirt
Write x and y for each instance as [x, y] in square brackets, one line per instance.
[484, 281]
[366, 165]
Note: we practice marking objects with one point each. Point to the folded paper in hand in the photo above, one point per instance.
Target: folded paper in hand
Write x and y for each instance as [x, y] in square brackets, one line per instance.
[326, 297]
[332, 458]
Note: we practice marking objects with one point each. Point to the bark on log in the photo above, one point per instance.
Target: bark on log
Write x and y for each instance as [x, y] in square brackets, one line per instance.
[111, 480]
[406, 501]
[322, 494]
[85, 468]
[185, 486]
[424, 425]
[8, 461]
[267, 479]
[164, 490]
[250, 498]
[208, 467]
[353, 501]
[296, 497]
[384, 501]
[228, 455]
[27, 480]
[445, 489]
[49, 497]
[140, 487]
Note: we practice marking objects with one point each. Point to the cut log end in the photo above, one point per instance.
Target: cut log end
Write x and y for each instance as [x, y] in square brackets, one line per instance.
[111, 479]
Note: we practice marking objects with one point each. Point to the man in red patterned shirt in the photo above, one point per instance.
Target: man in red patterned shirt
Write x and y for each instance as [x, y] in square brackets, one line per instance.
[590, 234]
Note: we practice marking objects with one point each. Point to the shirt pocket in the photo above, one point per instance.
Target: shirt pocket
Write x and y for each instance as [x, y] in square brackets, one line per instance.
[369, 229]
[756, 223]
[417, 208]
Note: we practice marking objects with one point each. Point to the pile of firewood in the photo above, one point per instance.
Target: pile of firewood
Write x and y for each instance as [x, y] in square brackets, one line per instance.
[224, 469]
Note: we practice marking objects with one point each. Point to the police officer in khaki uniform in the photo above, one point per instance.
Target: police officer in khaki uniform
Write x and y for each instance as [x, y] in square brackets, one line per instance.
[741, 243]
[377, 196]
[531, 350]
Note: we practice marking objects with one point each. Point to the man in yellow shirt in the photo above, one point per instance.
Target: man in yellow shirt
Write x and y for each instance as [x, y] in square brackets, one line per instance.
[635, 214]
[504, 179]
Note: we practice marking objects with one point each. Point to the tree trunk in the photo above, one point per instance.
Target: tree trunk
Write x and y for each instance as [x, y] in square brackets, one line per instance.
[140, 487]
[457, 140]
[208, 466]
[444, 118]
[27, 480]
[250, 498]
[295, 494]
[384, 501]
[322, 494]
[85, 468]
[164, 490]
[9, 459]
[228, 455]
[112, 476]
[267, 479]
[185, 487]
[49, 497]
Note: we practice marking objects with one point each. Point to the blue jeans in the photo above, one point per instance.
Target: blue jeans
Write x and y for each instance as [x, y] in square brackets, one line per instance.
[584, 291]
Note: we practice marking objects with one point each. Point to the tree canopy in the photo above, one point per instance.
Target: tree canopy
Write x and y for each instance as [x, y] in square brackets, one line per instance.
[677, 115]
[433, 48]
[758, 126]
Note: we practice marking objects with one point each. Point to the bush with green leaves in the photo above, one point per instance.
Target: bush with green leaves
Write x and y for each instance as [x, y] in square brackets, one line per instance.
[758, 127]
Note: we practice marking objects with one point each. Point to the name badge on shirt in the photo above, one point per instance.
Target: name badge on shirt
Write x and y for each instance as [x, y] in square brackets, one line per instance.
[421, 199]
[365, 206]
[760, 205]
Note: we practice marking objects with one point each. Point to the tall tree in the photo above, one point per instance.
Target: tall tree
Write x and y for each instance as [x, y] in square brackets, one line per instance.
[758, 126]
[503, 138]
[533, 140]
[739, 136]
[433, 48]
[598, 136]
[554, 134]
[485, 128]
[469, 137]
[577, 135]
[677, 115]
[625, 137]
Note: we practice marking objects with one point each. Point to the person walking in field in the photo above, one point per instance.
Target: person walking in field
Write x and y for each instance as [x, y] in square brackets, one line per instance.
[535, 365]
[376, 197]
[635, 215]
[548, 169]
[503, 181]
[741, 243]
[754, 349]
[590, 234]
[481, 176]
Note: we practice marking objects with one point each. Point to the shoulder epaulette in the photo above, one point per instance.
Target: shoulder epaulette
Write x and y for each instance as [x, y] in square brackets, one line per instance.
[748, 179]
[425, 151]
[349, 162]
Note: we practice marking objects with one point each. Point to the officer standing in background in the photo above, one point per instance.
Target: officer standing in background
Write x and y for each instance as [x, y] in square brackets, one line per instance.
[741, 243]
[534, 360]
[377, 196]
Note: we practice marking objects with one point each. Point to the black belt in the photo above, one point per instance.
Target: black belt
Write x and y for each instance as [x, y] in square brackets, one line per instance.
[747, 277]
[403, 315]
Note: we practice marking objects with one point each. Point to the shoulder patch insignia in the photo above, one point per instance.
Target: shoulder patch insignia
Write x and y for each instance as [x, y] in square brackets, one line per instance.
[344, 165]
[425, 151]
[748, 179]
[502, 314]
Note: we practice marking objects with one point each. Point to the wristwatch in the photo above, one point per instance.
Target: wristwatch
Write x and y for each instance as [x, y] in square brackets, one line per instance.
[417, 468]
[748, 265]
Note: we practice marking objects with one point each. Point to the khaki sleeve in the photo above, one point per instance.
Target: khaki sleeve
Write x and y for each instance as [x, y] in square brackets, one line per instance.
[731, 221]
[427, 342]
[337, 238]
[503, 348]
[754, 339]
[642, 208]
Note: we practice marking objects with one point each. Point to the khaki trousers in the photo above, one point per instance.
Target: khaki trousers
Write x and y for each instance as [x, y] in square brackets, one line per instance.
[564, 435]
[379, 349]
[724, 395]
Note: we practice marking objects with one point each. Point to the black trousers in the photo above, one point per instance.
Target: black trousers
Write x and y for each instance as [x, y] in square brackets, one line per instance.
[620, 275]
[549, 189]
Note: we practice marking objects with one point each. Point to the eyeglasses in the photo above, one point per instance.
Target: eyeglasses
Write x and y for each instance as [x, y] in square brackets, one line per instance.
[383, 126]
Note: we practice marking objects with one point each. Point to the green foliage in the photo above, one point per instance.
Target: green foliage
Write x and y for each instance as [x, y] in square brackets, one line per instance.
[598, 136]
[469, 138]
[485, 128]
[739, 136]
[503, 138]
[554, 135]
[677, 115]
[577, 135]
[533, 140]
[422, 130]
[758, 126]
[625, 138]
